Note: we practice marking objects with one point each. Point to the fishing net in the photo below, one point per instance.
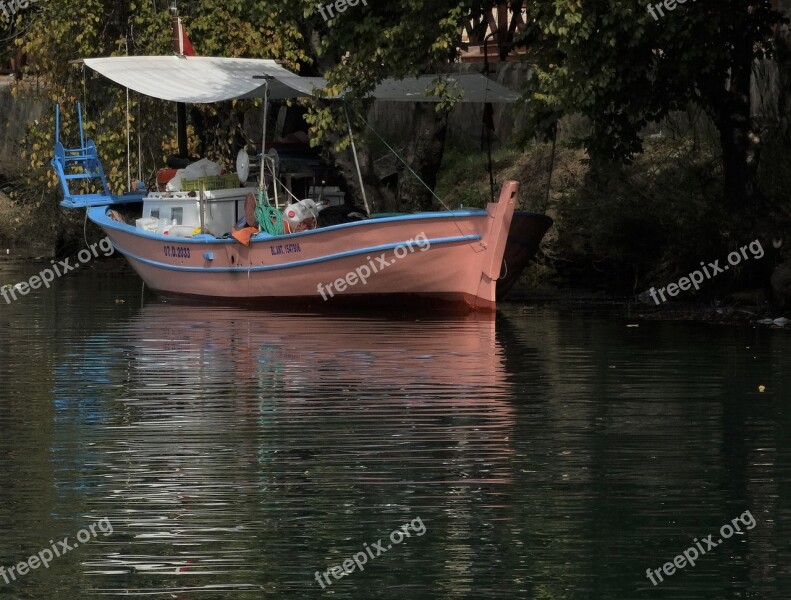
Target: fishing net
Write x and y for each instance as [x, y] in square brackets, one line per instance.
[269, 218]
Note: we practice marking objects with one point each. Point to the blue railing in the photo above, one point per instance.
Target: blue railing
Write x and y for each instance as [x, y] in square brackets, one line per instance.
[83, 163]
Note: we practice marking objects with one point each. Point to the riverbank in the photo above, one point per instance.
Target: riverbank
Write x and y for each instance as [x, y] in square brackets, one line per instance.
[38, 229]
[643, 226]
[15, 238]
[31, 224]
[632, 311]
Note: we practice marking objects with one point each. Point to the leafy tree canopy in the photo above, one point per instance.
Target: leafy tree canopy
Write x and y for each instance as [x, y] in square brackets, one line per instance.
[622, 67]
[610, 60]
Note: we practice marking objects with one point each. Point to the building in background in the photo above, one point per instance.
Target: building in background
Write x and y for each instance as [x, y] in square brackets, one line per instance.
[492, 34]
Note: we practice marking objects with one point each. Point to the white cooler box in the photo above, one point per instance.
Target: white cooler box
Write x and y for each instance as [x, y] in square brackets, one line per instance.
[223, 210]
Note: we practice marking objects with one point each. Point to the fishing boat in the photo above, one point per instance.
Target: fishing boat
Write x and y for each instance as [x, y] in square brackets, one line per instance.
[183, 242]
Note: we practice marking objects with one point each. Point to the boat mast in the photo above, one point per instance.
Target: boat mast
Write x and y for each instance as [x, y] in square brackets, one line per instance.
[181, 108]
[262, 179]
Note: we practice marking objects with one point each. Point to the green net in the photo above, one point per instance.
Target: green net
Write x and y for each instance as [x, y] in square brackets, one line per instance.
[269, 218]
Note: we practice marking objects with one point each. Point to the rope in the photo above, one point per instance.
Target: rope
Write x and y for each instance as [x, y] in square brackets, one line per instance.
[280, 181]
[269, 218]
[504, 275]
[84, 93]
[398, 156]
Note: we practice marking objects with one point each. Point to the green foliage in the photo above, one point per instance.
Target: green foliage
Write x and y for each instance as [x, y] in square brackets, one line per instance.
[464, 180]
[613, 62]
[105, 28]
[608, 60]
[364, 45]
[354, 51]
[630, 226]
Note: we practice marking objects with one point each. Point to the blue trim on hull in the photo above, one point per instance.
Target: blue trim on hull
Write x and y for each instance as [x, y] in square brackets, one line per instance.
[299, 263]
[100, 200]
[98, 215]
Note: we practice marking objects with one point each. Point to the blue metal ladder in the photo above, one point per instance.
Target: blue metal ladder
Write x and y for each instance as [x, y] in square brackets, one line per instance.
[67, 163]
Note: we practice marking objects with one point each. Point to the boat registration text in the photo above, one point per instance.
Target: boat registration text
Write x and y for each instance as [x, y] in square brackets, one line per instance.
[177, 251]
[285, 249]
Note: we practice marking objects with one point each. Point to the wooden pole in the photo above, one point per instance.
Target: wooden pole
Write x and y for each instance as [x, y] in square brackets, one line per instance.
[181, 108]
[202, 206]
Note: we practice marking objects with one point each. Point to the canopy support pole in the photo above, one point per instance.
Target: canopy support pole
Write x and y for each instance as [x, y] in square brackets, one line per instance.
[181, 108]
[488, 114]
[128, 146]
[139, 144]
[128, 133]
[262, 180]
[202, 205]
[551, 164]
[181, 127]
[356, 161]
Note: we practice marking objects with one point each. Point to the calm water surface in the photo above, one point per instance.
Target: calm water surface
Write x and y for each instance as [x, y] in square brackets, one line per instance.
[549, 453]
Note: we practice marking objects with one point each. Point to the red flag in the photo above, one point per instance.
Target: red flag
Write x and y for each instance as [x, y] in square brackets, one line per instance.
[181, 43]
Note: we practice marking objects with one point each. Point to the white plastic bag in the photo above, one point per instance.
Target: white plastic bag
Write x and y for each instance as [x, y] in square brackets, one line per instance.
[301, 215]
[202, 168]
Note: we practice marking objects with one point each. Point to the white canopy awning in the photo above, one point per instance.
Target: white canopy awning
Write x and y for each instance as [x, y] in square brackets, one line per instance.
[205, 79]
[474, 86]
[199, 79]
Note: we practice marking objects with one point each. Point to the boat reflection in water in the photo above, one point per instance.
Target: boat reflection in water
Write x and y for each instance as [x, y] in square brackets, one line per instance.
[241, 451]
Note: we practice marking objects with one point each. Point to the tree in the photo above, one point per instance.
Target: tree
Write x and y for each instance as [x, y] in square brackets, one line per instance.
[229, 28]
[354, 49]
[624, 64]
[366, 44]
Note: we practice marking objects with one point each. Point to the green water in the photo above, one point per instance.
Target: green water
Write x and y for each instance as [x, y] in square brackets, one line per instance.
[550, 453]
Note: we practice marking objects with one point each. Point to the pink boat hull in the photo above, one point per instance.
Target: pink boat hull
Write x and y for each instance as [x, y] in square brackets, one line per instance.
[445, 257]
